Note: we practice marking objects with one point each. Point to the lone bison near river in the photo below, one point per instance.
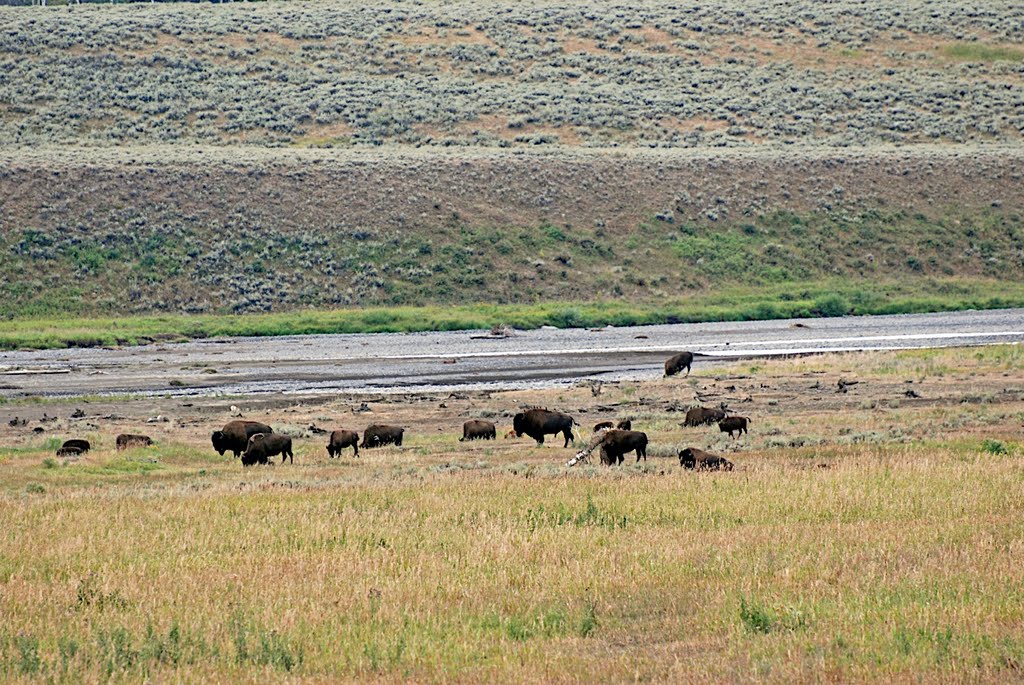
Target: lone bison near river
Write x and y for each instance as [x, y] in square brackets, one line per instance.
[700, 416]
[234, 436]
[678, 362]
[540, 422]
[734, 424]
[262, 446]
[477, 429]
[127, 440]
[617, 443]
[341, 439]
[693, 458]
[380, 434]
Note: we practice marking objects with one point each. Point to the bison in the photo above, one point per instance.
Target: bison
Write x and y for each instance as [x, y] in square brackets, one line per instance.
[625, 425]
[617, 443]
[341, 439]
[262, 446]
[540, 422]
[734, 424]
[379, 434]
[693, 458]
[476, 429]
[604, 425]
[700, 416]
[678, 362]
[73, 447]
[234, 436]
[127, 440]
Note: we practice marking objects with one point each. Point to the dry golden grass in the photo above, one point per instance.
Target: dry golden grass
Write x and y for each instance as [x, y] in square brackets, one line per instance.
[887, 548]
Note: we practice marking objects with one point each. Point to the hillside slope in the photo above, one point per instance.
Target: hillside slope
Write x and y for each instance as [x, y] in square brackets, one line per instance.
[202, 231]
[723, 73]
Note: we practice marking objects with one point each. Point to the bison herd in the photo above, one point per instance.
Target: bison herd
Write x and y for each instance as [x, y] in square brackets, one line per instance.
[256, 443]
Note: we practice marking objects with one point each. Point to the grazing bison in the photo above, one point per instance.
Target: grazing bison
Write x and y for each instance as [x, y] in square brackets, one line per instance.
[733, 424]
[700, 416]
[339, 440]
[693, 458]
[678, 362]
[604, 425]
[540, 422]
[625, 425]
[234, 436]
[476, 429]
[127, 440]
[379, 434]
[74, 446]
[262, 446]
[617, 443]
[69, 452]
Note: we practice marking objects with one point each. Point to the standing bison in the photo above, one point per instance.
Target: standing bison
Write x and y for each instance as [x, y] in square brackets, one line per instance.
[734, 424]
[234, 436]
[127, 440]
[540, 422]
[700, 416]
[341, 439]
[262, 446]
[678, 362]
[617, 443]
[693, 458]
[604, 425]
[476, 429]
[379, 434]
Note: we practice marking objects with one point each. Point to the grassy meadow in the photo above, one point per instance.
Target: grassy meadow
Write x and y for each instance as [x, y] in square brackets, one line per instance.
[864, 537]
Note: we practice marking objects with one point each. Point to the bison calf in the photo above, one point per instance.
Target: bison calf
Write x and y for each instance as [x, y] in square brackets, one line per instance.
[604, 425]
[678, 362]
[693, 458]
[477, 429]
[341, 439]
[733, 424]
[262, 446]
[127, 440]
[379, 434]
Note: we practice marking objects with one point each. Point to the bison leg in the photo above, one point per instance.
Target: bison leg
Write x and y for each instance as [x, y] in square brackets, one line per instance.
[356, 448]
[568, 436]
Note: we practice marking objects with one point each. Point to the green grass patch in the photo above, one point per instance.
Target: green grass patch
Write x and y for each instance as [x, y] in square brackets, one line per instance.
[980, 52]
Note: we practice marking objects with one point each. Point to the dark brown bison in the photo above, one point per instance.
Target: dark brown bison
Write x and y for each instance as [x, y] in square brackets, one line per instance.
[127, 440]
[341, 439]
[262, 446]
[733, 424]
[678, 362]
[700, 416]
[617, 443]
[604, 425]
[477, 429]
[379, 434]
[69, 452]
[625, 425]
[693, 458]
[540, 422]
[234, 436]
[82, 446]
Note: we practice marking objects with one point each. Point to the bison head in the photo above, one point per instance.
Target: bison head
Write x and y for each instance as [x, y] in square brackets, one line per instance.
[687, 458]
[220, 442]
[519, 424]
